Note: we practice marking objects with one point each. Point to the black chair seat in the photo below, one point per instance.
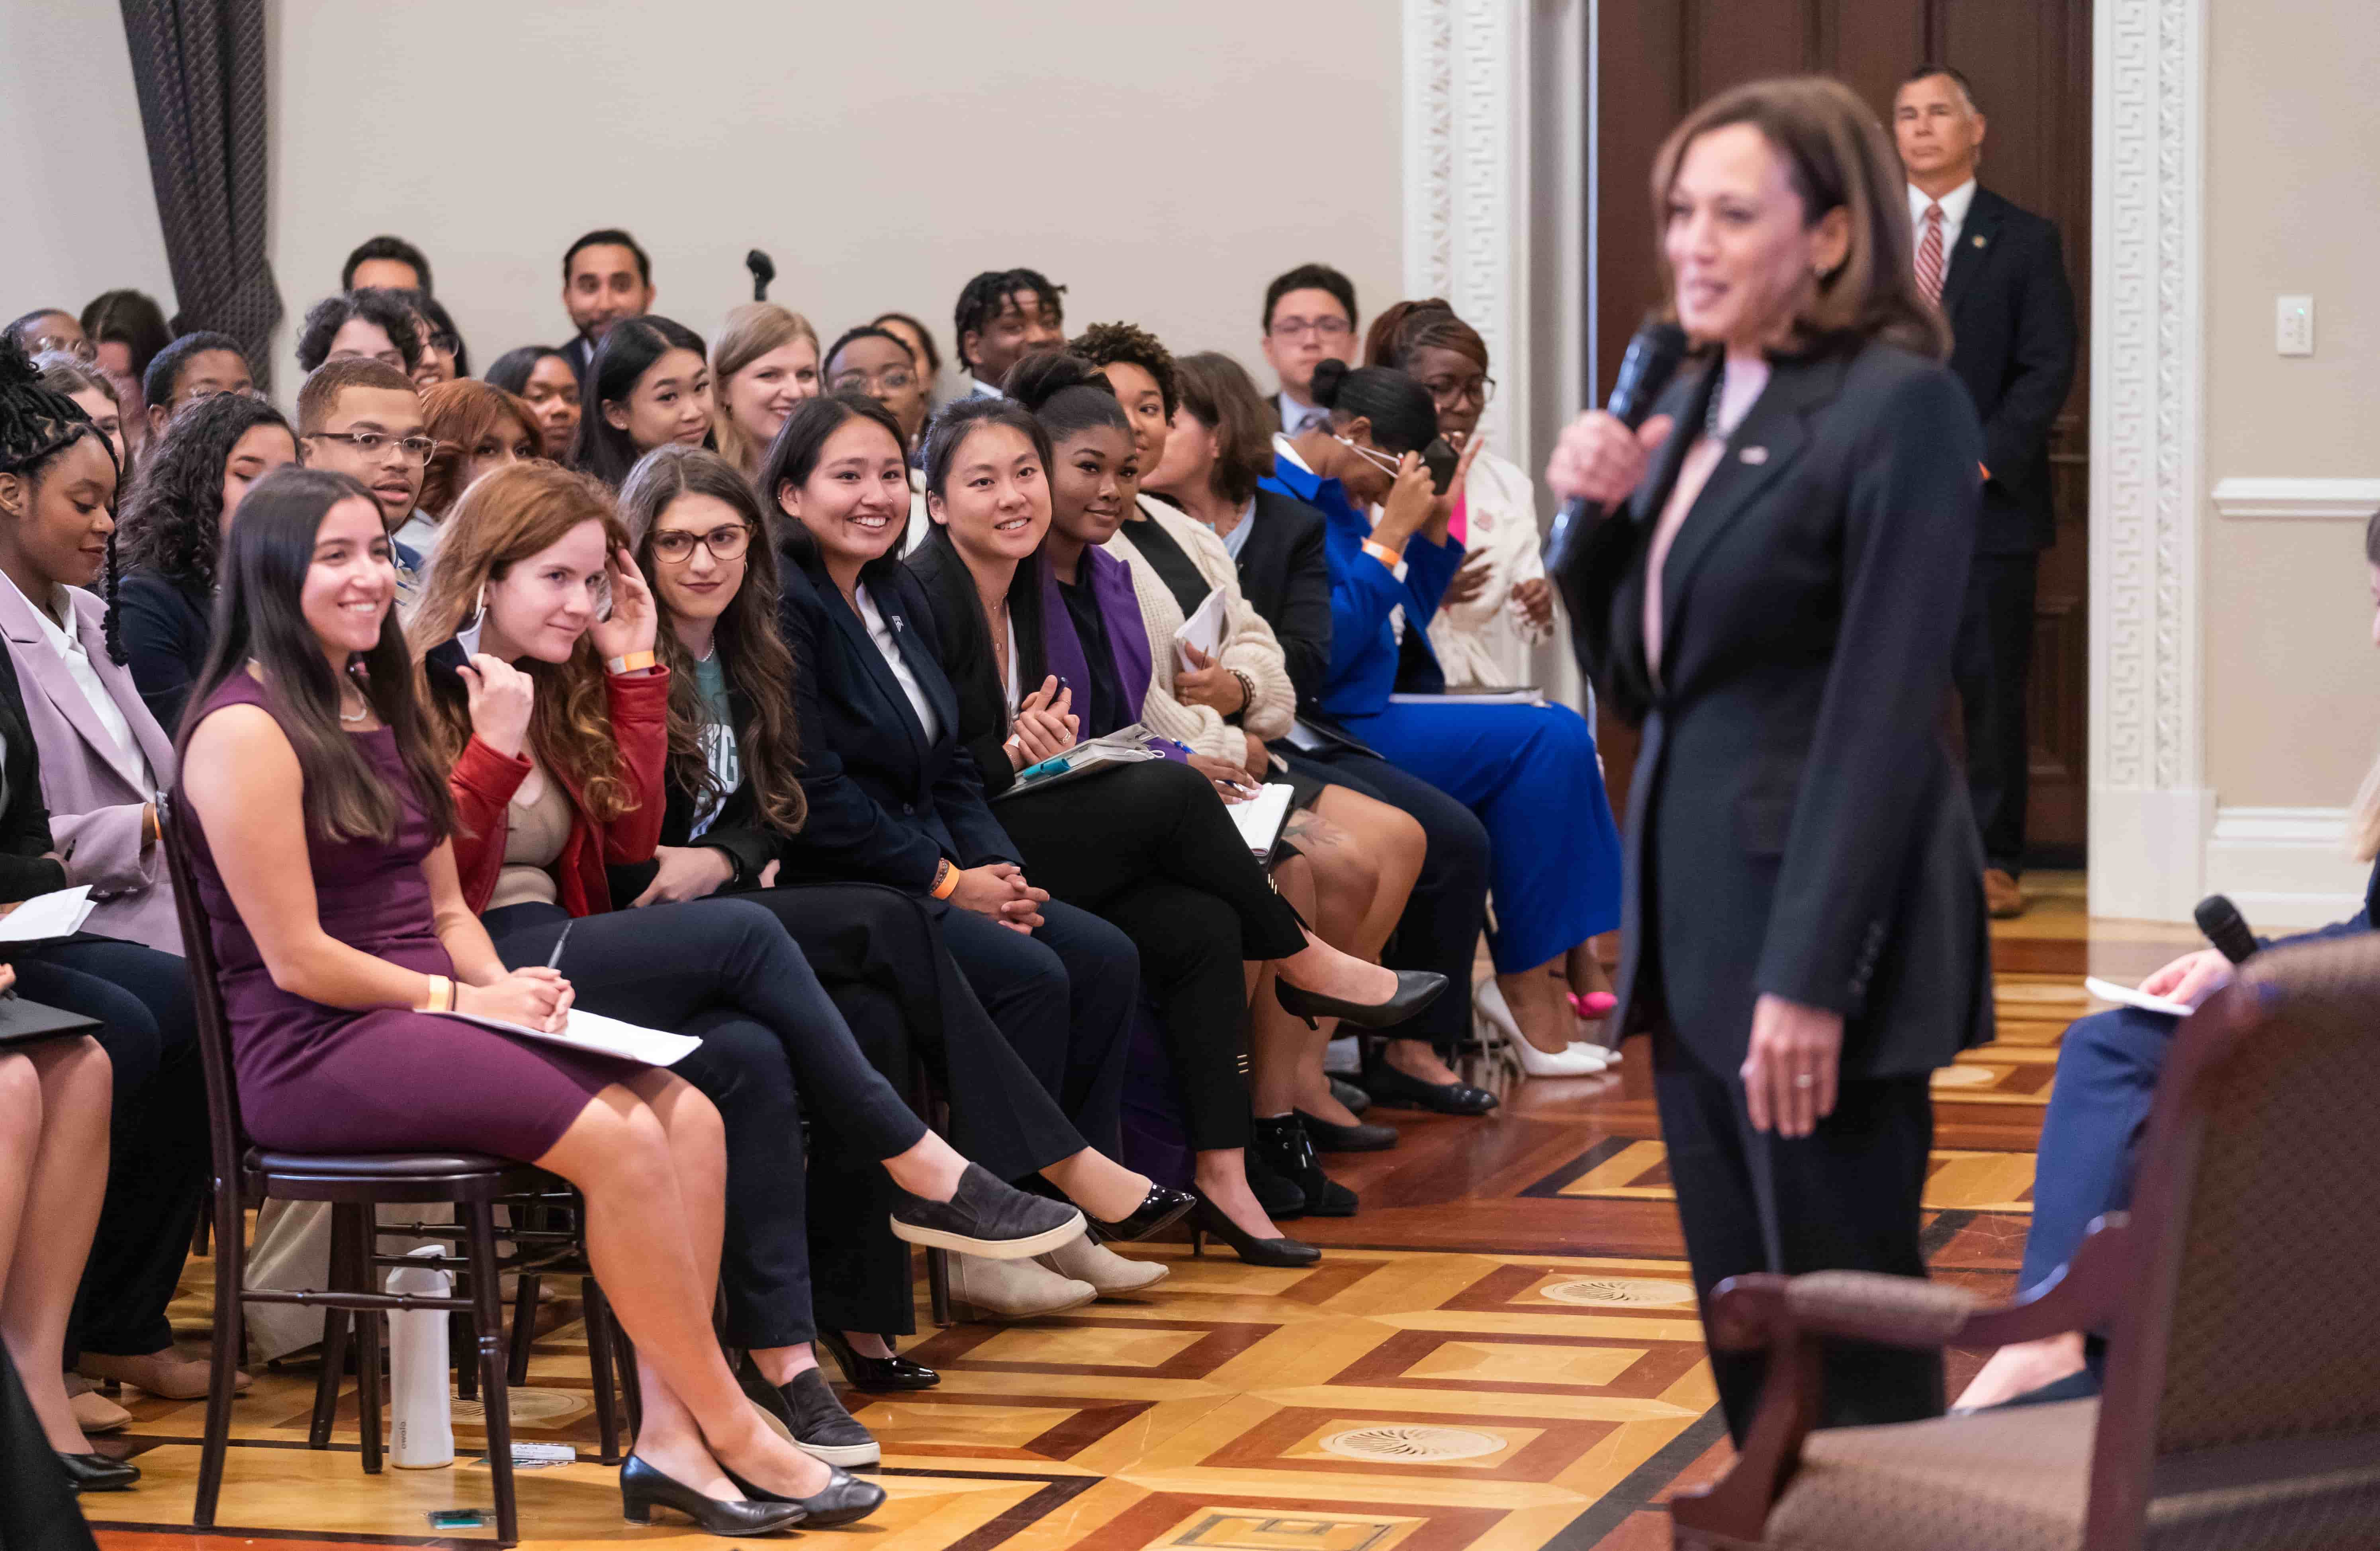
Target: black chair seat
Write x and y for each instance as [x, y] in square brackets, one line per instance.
[388, 1176]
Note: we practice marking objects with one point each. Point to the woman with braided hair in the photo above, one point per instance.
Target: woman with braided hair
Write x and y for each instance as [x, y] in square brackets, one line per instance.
[99, 758]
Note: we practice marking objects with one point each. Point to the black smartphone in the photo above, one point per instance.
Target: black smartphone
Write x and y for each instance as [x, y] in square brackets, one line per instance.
[1440, 458]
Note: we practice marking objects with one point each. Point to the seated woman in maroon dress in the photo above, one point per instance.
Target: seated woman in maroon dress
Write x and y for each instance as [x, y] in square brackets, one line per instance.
[325, 862]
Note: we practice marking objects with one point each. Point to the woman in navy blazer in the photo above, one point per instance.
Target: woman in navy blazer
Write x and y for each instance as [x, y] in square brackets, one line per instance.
[892, 797]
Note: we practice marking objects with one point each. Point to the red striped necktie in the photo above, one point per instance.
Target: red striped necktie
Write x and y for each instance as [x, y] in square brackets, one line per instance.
[1929, 255]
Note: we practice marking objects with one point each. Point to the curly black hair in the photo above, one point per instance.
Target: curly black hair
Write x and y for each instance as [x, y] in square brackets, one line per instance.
[1134, 345]
[391, 310]
[171, 521]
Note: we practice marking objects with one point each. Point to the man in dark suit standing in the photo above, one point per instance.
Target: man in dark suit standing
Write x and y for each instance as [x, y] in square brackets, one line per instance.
[1999, 276]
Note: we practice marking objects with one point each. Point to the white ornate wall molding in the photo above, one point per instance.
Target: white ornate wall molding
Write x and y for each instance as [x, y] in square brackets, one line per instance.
[2321, 500]
[2151, 814]
[1466, 183]
[2285, 866]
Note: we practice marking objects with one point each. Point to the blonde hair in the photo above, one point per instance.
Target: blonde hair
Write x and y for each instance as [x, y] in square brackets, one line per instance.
[751, 332]
[1837, 158]
[503, 518]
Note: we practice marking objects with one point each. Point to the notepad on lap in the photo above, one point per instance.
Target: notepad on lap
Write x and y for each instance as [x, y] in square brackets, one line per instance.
[46, 918]
[1488, 695]
[1203, 629]
[605, 1036]
[1261, 817]
[2125, 996]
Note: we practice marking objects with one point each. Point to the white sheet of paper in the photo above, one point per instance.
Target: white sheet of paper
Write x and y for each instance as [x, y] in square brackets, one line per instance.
[592, 1031]
[2125, 996]
[43, 916]
[1203, 629]
[1260, 817]
[1515, 694]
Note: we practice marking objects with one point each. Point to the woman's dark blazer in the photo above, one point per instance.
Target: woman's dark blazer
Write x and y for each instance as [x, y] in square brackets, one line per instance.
[164, 627]
[964, 639]
[1797, 826]
[885, 805]
[1285, 576]
[25, 867]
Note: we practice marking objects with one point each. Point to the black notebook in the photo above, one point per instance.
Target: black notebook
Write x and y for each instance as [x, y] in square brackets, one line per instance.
[21, 1021]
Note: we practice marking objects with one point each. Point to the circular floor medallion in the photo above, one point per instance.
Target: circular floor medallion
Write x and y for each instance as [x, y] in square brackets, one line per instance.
[1621, 1290]
[529, 1408]
[1964, 1077]
[1412, 1445]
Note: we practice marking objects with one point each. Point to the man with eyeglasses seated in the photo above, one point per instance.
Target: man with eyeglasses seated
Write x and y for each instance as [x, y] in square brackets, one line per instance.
[1309, 317]
[362, 416]
[875, 361]
[190, 369]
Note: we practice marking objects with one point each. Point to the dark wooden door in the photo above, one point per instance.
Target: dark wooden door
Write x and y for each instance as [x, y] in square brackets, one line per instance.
[2030, 61]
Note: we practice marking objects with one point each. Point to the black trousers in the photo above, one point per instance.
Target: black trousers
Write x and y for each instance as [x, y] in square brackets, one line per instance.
[879, 954]
[1150, 848]
[1448, 908]
[1990, 662]
[725, 970]
[158, 1163]
[1847, 1199]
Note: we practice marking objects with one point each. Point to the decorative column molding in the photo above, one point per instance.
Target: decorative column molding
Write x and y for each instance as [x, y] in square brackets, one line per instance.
[2150, 813]
[1466, 183]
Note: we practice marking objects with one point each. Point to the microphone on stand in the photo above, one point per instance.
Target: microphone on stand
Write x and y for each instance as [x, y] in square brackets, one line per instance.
[1652, 359]
[2220, 920]
[764, 270]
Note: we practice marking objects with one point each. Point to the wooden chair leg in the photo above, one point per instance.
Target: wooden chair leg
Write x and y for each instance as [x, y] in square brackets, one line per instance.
[632, 1386]
[368, 1344]
[336, 1321]
[463, 1345]
[224, 1362]
[599, 1367]
[199, 1233]
[937, 1286]
[487, 1299]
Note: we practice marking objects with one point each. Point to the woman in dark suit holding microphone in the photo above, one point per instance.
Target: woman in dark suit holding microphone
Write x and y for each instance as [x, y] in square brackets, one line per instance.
[1804, 930]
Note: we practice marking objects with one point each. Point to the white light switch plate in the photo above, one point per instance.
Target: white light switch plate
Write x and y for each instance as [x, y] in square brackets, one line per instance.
[2293, 325]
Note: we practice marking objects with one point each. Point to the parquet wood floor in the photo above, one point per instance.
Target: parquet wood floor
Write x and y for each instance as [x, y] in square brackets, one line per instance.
[1500, 1353]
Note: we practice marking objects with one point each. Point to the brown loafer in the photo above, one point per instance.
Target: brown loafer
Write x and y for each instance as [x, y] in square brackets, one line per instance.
[2002, 898]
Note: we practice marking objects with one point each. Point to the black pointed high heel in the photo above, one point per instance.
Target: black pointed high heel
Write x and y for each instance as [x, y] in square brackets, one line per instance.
[1211, 1219]
[96, 1473]
[1160, 1209]
[844, 1499]
[1416, 988]
[876, 1375]
[644, 1488]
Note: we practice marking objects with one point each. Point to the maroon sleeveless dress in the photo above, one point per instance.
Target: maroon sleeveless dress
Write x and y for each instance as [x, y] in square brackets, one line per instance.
[325, 1079]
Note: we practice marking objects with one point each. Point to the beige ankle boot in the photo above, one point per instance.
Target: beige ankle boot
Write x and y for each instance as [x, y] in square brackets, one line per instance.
[984, 1289]
[1107, 1271]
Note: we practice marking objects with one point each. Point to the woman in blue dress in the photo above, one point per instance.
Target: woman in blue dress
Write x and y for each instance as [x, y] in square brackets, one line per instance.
[1529, 773]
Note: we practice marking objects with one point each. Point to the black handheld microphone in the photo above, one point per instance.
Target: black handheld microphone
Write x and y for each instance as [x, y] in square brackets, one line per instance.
[764, 270]
[2219, 919]
[1652, 359]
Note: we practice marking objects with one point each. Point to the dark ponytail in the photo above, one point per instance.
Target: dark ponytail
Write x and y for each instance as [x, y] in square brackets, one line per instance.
[1402, 415]
[1066, 394]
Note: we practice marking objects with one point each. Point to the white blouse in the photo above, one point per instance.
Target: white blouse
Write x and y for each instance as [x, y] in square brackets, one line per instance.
[882, 636]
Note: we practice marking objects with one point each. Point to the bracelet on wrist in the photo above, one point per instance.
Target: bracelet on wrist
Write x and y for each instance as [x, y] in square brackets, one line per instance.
[635, 662]
[1247, 689]
[946, 880]
[1385, 555]
[439, 998]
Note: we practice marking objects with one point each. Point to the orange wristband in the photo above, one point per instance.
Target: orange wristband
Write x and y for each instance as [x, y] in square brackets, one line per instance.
[635, 662]
[1381, 552]
[947, 882]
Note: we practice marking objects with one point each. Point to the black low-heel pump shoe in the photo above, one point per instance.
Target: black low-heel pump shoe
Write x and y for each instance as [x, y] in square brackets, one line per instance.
[1282, 1142]
[1160, 1209]
[844, 1499]
[1416, 988]
[878, 1376]
[812, 1417]
[643, 1489]
[1389, 1085]
[1210, 1218]
[1361, 1137]
[96, 1473]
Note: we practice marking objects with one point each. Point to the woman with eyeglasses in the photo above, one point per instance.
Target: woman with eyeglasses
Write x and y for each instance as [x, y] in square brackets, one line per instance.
[1528, 772]
[735, 798]
[538, 635]
[766, 361]
[649, 386]
[543, 379]
[444, 358]
[170, 530]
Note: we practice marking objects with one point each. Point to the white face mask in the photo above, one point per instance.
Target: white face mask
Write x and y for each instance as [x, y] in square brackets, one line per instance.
[1378, 459]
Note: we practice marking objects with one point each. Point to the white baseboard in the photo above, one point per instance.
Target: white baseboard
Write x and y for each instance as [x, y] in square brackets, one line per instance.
[2285, 866]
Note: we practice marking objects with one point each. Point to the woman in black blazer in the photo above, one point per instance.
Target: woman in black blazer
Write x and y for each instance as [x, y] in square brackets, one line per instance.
[172, 528]
[1804, 929]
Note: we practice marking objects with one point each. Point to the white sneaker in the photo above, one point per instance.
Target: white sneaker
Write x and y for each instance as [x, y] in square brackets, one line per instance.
[1085, 1260]
[993, 1290]
[1492, 1020]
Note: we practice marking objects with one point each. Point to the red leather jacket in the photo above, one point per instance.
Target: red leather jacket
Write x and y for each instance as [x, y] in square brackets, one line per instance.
[483, 783]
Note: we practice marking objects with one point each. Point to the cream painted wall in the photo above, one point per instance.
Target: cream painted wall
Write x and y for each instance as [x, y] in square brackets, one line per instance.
[2292, 681]
[82, 215]
[1163, 164]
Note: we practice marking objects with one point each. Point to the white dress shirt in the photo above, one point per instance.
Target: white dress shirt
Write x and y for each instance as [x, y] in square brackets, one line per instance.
[1296, 417]
[882, 636]
[1954, 216]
